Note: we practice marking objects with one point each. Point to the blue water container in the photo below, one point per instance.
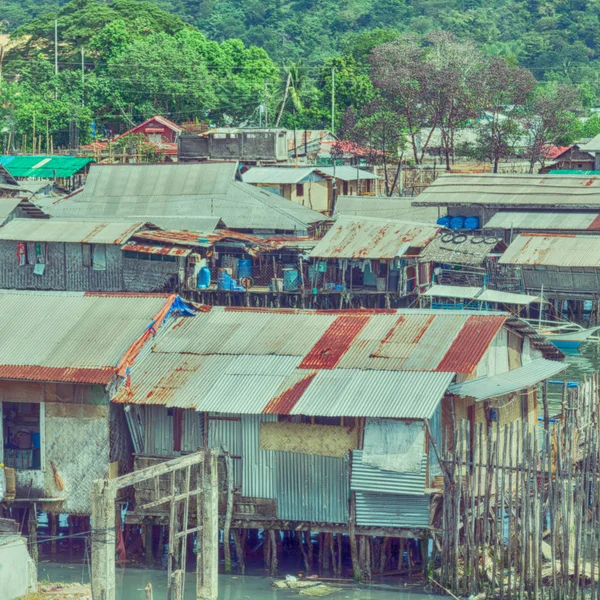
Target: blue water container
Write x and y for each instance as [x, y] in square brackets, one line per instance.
[457, 223]
[444, 221]
[244, 269]
[36, 439]
[290, 280]
[203, 278]
[225, 282]
[472, 223]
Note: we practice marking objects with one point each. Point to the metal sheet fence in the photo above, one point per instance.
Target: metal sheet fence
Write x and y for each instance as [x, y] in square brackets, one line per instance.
[259, 466]
[312, 488]
[392, 510]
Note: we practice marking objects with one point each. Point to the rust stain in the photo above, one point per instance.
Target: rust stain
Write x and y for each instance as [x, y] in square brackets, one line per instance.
[100, 375]
[334, 343]
[423, 330]
[595, 224]
[590, 181]
[285, 402]
[166, 250]
[90, 236]
[470, 344]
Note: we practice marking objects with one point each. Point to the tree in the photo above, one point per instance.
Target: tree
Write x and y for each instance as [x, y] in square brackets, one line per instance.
[501, 89]
[550, 114]
[379, 130]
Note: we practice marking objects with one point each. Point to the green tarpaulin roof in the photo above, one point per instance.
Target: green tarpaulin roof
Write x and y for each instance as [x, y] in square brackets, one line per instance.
[44, 167]
[572, 172]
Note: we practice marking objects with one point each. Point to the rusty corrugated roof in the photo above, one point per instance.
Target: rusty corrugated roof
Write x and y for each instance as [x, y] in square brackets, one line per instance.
[100, 376]
[556, 250]
[363, 237]
[393, 363]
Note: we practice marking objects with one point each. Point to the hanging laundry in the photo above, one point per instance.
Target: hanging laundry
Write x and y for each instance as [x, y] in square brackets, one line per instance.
[40, 253]
[21, 254]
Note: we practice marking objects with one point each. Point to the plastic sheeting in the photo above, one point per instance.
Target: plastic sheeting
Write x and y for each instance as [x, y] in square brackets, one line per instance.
[394, 445]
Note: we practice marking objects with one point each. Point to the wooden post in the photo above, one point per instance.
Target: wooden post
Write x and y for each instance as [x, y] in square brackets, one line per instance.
[32, 527]
[274, 562]
[104, 495]
[352, 535]
[229, 511]
[239, 551]
[148, 592]
[177, 584]
[147, 528]
[207, 569]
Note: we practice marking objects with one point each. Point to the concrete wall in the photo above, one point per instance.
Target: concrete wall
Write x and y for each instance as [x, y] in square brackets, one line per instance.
[18, 575]
[316, 195]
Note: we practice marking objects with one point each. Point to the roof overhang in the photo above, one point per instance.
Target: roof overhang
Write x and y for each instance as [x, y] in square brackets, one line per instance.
[521, 378]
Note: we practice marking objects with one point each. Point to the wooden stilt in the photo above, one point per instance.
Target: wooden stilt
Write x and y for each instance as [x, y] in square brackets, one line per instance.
[307, 565]
[53, 533]
[274, 563]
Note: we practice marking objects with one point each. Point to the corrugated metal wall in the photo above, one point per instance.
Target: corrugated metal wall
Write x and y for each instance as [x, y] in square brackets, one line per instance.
[312, 488]
[435, 425]
[227, 431]
[192, 436]
[259, 466]
[391, 510]
[158, 431]
[13, 276]
[366, 478]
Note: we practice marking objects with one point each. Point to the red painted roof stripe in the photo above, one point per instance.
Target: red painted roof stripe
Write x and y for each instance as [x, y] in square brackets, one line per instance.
[100, 375]
[470, 344]
[285, 402]
[334, 343]
[595, 224]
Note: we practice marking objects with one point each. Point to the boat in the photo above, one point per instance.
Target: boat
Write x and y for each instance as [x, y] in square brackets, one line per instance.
[572, 339]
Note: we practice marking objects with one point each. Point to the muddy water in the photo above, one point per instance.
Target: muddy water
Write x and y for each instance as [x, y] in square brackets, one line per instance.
[131, 583]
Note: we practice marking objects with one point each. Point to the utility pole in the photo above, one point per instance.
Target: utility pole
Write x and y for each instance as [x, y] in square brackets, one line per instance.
[82, 77]
[56, 56]
[333, 100]
[266, 109]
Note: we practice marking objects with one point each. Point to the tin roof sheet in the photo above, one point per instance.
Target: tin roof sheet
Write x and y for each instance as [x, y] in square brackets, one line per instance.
[559, 250]
[366, 478]
[46, 167]
[43, 334]
[524, 377]
[55, 230]
[303, 362]
[471, 251]
[384, 510]
[382, 207]
[479, 294]
[545, 220]
[362, 237]
[346, 173]
[278, 175]
[183, 190]
[525, 191]
[134, 246]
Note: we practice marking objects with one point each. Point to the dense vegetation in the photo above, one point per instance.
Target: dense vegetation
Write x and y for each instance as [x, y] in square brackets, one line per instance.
[554, 38]
[244, 61]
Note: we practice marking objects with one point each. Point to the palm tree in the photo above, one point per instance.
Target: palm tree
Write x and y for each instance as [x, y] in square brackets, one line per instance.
[295, 80]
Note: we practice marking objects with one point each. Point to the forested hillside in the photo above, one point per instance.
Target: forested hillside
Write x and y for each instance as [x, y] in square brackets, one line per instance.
[554, 38]
[388, 67]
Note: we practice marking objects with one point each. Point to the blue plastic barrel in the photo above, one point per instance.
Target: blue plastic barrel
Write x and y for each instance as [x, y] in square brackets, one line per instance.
[444, 221]
[203, 278]
[472, 223]
[224, 281]
[244, 269]
[457, 223]
[290, 280]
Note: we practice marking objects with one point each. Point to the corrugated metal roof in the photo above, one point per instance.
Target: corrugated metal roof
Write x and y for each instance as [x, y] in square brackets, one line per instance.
[155, 249]
[7, 206]
[384, 510]
[352, 237]
[6, 177]
[366, 478]
[553, 250]
[478, 294]
[302, 362]
[346, 173]
[55, 230]
[149, 192]
[471, 343]
[382, 207]
[564, 221]
[312, 488]
[69, 332]
[592, 145]
[472, 251]
[279, 175]
[390, 394]
[524, 377]
[46, 167]
[526, 191]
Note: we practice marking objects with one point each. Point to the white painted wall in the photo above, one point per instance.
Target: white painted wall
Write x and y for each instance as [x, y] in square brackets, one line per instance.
[18, 574]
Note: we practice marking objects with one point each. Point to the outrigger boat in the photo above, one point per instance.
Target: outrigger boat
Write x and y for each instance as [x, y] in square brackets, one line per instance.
[565, 335]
